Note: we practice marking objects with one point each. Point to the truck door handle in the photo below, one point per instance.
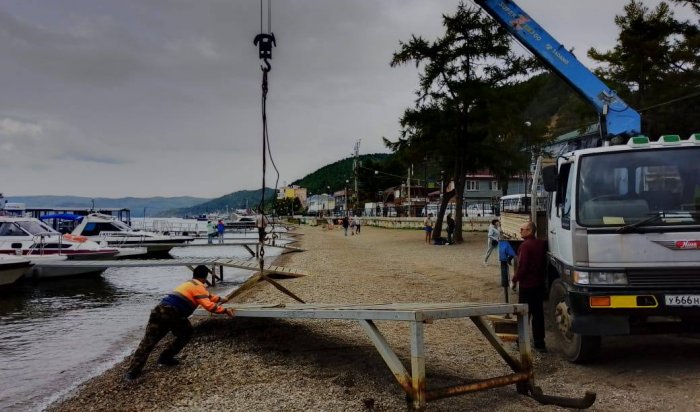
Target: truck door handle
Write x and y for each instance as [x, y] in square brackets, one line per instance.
[554, 232]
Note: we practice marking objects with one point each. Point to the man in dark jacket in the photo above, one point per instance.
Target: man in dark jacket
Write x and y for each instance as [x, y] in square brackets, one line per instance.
[346, 224]
[531, 277]
[450, 229]
[170, 315]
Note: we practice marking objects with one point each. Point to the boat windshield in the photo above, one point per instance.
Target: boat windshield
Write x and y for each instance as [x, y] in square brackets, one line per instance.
[123, 227]
[11, 229]
[645, 188]
[33, 227]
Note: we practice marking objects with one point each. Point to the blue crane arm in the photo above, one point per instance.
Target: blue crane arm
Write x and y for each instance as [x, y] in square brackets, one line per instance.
[617, 117]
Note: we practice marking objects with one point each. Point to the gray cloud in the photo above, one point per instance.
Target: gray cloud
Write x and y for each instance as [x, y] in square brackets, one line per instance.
[162, 97]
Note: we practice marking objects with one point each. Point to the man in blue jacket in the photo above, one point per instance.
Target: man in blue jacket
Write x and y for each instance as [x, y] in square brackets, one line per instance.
[505, 255]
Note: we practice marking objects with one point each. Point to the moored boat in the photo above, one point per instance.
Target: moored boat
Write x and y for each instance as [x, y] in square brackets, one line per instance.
[12, 268]
[103, 228]
[31, 237]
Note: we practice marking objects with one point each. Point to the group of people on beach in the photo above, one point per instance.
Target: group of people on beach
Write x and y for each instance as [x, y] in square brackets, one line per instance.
[354, 224]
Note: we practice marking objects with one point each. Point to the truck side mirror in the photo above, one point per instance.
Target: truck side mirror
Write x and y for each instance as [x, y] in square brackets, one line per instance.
[550, 178]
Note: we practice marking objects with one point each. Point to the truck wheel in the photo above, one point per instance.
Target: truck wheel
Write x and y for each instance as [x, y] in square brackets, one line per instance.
[576, 348]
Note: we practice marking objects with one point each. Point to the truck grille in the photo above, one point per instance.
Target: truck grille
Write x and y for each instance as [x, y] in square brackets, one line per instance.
[671, 279]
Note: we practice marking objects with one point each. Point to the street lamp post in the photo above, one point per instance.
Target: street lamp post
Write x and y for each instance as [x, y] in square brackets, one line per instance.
[529, 160]
[346, 196]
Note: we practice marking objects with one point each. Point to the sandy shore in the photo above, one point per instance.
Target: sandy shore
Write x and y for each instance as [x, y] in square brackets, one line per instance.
[313, 365]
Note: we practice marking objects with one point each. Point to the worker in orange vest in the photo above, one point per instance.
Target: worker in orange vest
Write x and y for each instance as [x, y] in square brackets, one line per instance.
[170, 315]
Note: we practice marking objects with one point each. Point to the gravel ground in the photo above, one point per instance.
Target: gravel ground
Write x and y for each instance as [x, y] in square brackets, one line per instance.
[246, 364]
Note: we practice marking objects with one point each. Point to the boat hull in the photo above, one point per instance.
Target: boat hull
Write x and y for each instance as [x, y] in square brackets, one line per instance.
[11, 272]
[49, 271]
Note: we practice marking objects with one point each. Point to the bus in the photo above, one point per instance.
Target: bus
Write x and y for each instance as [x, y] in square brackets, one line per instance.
[520, 203]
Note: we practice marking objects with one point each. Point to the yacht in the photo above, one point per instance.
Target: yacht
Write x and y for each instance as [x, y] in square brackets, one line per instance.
[12, 268]
[104, 228]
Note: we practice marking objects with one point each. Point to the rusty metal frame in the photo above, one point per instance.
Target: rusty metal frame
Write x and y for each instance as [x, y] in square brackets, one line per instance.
[414, 383]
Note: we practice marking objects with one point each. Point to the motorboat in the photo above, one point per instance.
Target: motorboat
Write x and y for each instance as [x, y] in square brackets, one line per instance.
[34, 240]
[109, 230]
[31, 237]
[12, 268]
[238, 221]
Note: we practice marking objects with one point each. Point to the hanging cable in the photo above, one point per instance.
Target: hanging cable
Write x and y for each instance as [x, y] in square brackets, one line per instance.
[265, 42]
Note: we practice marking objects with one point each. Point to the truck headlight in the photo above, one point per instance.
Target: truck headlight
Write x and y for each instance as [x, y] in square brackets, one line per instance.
[600, 278]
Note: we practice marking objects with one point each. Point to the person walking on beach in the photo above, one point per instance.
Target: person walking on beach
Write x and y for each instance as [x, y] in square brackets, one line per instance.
[505, 256]
[261, 223]
[220, 230]
[356, 222]
[346, 224]
[530, 278]
[492, 239]
[210, 232]
[450, 229]
[428, 227]
[170, 315]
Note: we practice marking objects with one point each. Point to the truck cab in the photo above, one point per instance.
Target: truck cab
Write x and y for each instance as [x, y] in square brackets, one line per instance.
[623, 228]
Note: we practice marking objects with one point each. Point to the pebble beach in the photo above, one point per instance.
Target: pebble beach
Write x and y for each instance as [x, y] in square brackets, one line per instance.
[248, 364]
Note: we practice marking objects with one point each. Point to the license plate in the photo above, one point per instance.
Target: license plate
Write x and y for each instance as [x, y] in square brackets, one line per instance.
[682, 300]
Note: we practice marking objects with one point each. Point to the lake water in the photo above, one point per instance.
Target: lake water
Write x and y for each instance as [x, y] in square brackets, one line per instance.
[56, 334]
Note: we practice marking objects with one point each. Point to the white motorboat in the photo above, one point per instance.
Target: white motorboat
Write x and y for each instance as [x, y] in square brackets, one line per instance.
[238, 221]
[12, 268]
[31, 237]
[104, 228]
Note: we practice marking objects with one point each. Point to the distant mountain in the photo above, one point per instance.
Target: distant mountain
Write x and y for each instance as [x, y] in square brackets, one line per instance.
[230, 202]
[152, 205]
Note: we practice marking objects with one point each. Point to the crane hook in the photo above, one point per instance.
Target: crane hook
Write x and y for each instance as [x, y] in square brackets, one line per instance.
[265, 41]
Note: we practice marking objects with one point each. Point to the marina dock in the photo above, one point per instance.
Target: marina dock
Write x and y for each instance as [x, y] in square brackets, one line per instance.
[189, 262]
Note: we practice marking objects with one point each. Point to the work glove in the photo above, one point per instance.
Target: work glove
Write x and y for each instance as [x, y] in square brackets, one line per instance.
[230, 312]
[512, 285]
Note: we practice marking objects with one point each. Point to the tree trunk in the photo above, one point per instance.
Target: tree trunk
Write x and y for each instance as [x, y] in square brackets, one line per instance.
[446, 196]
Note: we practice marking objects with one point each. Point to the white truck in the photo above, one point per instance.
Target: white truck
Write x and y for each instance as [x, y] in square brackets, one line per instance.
[622, 221]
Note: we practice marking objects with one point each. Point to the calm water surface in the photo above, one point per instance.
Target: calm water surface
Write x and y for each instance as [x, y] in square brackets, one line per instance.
[56, 334]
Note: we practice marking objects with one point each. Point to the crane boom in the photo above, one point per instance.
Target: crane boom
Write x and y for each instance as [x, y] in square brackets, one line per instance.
[616, 117]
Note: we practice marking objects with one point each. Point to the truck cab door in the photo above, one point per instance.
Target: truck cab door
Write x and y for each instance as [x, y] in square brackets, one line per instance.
[560, 213]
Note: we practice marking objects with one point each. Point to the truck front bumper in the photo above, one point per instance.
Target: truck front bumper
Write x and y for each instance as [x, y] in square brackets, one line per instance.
[612, 312]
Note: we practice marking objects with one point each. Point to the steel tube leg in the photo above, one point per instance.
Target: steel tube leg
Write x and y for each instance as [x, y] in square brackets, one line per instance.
[525, 349]
[418, 366]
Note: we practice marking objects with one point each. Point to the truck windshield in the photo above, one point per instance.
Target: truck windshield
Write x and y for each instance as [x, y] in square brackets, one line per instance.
[623, 188]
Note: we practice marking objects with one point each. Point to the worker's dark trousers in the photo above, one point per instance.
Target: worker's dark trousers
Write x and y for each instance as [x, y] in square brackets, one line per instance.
[534, 298]
[163, 319]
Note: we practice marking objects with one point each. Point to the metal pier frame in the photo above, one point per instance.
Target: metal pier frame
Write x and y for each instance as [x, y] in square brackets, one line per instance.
[414, 383]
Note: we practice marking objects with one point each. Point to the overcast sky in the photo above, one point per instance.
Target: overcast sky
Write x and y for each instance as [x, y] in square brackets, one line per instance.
[162, 97]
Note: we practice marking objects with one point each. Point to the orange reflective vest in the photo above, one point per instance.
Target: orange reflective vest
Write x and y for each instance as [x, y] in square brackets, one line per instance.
[189, 295]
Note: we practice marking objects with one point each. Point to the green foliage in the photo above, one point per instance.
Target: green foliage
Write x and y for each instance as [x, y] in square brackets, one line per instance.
[655, 67]
[332, 177]
[288, 206]
[458, 93]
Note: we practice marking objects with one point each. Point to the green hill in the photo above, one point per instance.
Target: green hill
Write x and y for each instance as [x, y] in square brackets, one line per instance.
[237, 200]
